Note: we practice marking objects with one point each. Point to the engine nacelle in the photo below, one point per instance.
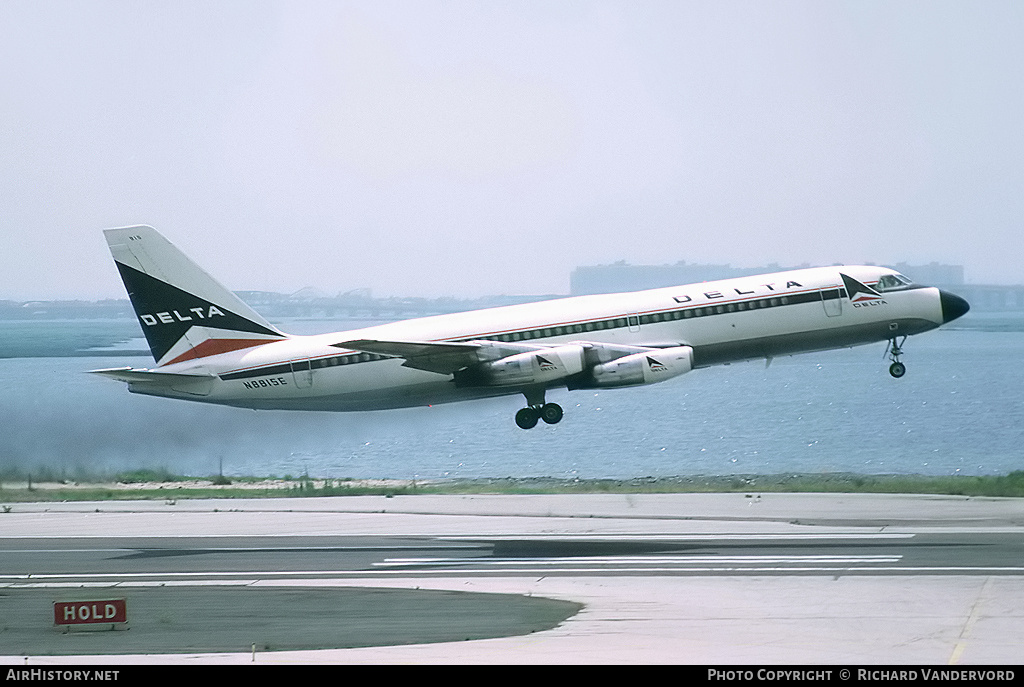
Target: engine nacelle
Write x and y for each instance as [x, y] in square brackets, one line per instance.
[525, 369]
[648, 367]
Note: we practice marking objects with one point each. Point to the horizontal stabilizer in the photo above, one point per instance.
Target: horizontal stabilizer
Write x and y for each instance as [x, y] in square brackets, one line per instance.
[143, 381]
[144, 376]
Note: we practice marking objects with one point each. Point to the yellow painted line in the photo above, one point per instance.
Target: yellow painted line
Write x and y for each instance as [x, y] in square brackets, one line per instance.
[961, 643]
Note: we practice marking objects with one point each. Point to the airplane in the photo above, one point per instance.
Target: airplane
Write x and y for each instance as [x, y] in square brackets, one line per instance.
[211, 347]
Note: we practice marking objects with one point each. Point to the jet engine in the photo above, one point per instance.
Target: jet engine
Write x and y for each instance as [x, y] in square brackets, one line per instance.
[648, 367]
[525, 369]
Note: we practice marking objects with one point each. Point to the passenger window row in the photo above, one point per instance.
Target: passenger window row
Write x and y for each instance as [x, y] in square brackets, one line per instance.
[565, 330]
[620, 322]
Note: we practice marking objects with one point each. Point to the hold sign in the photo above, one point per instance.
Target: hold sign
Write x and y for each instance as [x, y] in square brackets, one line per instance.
[87, 612]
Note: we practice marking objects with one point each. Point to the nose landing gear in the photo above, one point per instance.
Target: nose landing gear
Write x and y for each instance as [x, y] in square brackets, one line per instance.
[895, 350]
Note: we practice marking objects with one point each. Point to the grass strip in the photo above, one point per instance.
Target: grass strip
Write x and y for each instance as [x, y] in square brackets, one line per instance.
[162, 485]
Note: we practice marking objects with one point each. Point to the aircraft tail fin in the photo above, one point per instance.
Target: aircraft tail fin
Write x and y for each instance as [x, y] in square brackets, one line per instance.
[184, 312]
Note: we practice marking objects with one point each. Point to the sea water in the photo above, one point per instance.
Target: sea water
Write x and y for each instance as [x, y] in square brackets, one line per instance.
[958, 410]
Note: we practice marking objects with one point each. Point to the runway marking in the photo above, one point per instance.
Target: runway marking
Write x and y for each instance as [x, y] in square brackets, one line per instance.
[677, 537]
[312, 577]
[961, 642]
[682, 560]
[8, 552]
[433, 536]
[250, 549]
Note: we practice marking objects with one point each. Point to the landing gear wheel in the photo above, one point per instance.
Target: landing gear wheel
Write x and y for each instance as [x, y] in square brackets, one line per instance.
[895, 350]
[527, 418]
[551, 413]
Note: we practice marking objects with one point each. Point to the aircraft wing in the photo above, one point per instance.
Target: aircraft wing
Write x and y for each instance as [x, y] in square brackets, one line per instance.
[444, 357]
[447, 357]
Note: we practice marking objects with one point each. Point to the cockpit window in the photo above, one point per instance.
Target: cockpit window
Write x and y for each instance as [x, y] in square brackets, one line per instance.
[893, 282]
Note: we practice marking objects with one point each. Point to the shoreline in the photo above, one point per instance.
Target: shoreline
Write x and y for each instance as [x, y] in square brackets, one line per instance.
[191, 487]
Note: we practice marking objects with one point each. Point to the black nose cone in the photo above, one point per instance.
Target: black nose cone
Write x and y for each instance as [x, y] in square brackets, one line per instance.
[952, 306]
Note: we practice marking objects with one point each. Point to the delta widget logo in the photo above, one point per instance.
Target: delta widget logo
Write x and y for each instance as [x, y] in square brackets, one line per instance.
[860, 294]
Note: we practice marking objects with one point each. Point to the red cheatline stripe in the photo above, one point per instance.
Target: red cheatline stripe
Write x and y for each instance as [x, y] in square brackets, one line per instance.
[216, 346]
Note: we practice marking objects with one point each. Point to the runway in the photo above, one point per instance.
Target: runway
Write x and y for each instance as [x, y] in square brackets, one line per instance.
[706, 578]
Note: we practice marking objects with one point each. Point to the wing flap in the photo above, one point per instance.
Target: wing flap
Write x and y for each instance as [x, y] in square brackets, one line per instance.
[443, 357]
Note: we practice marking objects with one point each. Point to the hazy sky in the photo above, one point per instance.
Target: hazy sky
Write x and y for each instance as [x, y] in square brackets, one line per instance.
[473, 148]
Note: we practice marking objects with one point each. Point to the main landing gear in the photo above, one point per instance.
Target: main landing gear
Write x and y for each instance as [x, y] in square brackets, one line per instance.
[550, 413]
[895, 350]
[536, 409]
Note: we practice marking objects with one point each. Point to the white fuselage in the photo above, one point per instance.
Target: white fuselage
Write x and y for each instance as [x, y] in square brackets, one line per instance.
[723, 321]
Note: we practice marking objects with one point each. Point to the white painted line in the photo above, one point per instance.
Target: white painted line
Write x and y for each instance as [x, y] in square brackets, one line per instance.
[677, 537]
[111, 576]
[642, 560]
[570, 572]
